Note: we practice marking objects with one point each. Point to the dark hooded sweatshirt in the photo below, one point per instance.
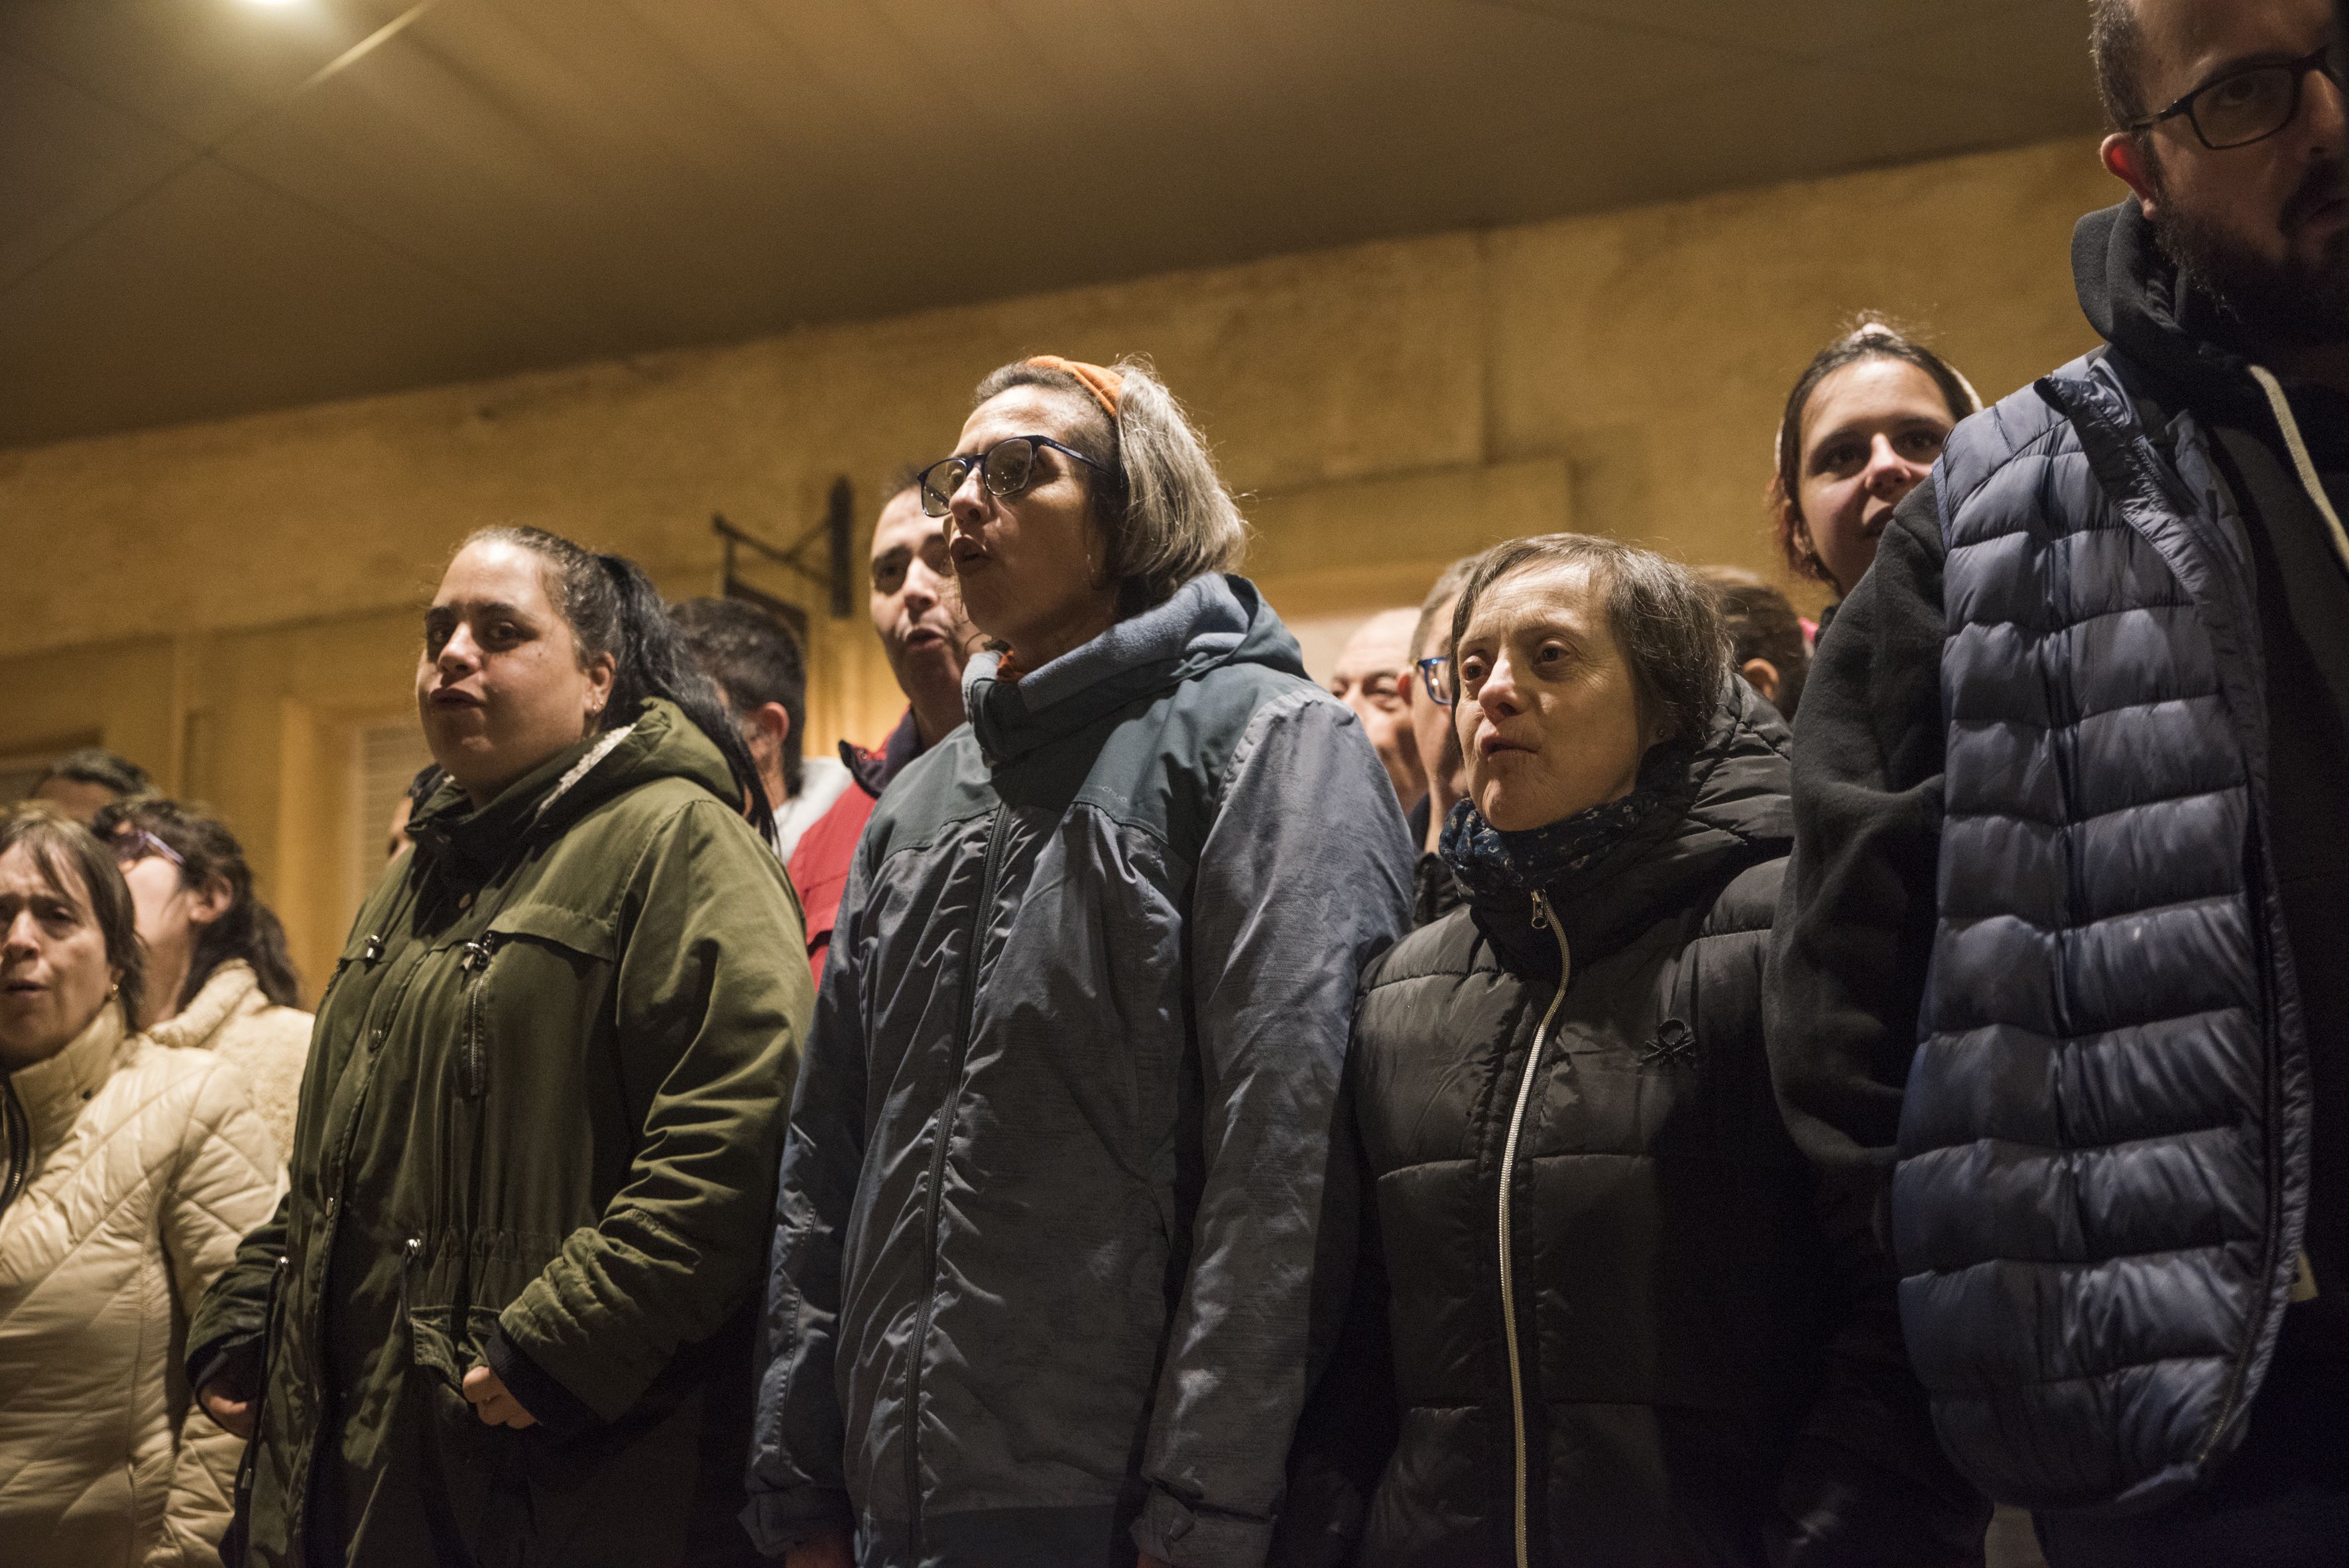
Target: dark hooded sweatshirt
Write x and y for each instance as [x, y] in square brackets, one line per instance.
[1848, 971]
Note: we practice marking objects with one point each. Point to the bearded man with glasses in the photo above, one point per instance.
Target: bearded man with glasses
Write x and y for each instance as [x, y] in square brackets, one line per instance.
[2059, 1004]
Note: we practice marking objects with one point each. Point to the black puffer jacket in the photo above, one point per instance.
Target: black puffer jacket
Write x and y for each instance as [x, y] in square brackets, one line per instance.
[1661, 1270]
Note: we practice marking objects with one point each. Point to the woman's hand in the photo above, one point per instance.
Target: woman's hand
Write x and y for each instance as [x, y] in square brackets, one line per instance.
[220, 1400]
[833, 1551]
[492, 1403]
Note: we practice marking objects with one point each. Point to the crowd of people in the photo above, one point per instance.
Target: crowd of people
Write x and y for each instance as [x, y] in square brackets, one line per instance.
[1621, 1075]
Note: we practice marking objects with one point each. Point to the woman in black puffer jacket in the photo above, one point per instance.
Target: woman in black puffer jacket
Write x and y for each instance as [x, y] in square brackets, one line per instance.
[1591, 1244]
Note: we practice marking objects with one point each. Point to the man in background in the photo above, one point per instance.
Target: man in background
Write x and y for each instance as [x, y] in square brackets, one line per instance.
[926, 641]
[83, 783]
[755, 663]
[1373, 678]
[1433, 891]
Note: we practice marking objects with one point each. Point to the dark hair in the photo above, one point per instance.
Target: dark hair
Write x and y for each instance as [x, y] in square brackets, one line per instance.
[68, 852]
[248, 929]
[754, 659]
[1871, 337]
[1166, 517]
[1447, 586]
[1761, 623]
[96, 765]
[903, 477]
[612, 607]
[2117, 46]
[1662, 617]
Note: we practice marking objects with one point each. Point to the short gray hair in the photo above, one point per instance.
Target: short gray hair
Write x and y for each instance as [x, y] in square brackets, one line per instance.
[1663, 616]
[1167, 517]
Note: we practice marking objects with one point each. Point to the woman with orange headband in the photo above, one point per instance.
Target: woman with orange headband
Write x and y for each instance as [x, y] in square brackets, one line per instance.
[1049, 1273]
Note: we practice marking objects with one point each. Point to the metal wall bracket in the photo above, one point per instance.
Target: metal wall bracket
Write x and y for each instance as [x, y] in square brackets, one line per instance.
[834, 538]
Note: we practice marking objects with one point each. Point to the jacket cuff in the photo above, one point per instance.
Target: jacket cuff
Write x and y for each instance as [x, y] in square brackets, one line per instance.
[779, 1520]
[554, 1407]
[1174, 1531]
[235, 1352]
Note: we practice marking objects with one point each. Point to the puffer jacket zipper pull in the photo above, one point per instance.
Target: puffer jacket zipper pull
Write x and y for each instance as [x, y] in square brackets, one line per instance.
[1544, 919]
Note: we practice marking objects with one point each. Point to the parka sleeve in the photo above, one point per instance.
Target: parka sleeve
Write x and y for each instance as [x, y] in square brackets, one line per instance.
[797, 1481]
[226, 1329]
[1349, 1428]
[1868, 1482]
[1303, 882]
[225, 1183]
[712, 1004]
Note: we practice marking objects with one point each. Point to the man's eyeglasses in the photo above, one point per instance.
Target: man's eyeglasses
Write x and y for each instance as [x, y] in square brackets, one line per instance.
[1435, 675]
[2246, 106]
[132, 845]
[1005, 467]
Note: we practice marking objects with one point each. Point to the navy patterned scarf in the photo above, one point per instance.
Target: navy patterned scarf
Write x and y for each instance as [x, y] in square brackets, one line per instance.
[1494, 866]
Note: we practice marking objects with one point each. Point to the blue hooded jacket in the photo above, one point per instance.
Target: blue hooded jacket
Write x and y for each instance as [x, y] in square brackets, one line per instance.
[1059, 1242]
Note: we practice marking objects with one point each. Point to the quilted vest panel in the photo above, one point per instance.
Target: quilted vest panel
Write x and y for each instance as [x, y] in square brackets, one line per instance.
[2085, 1210]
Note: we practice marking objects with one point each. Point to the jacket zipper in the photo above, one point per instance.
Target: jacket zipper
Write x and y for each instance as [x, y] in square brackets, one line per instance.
[18, 1128]
[944, 1122]
[473, 1059]
[1544, 919]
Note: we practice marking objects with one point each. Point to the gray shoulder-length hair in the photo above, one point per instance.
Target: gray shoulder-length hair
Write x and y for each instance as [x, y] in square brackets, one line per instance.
[1166, 517]
[1664, 618]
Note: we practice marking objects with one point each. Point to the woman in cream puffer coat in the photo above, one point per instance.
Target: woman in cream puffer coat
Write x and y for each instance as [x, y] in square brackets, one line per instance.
[131, 1172]
[218, 976]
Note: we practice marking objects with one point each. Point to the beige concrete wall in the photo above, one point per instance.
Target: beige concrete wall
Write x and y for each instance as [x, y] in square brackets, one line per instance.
[223, 601]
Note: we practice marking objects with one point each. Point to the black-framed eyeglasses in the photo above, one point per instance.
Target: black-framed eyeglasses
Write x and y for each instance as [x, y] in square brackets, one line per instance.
[2245, 106]
[132, 845]
[1432, 675]
[1005, 467]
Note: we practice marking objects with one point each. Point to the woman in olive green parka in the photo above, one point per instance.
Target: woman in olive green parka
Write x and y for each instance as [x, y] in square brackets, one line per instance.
[504, 1316]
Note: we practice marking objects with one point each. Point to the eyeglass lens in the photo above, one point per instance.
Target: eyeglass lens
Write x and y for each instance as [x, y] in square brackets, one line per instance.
[1432, 675]
[1008, 464]
[1005, 467]
[137, 844]
[2247, 107]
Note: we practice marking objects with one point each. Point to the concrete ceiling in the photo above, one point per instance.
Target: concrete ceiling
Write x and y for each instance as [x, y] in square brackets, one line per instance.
[213, 206]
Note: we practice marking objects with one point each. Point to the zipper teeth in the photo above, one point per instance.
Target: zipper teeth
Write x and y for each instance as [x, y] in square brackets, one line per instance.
[2240, 1371]
[944, 1120]
[19, 1133]
[1508, 1273]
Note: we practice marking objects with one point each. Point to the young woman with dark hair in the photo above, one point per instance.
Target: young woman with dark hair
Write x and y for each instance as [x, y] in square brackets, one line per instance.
[506, 1314]
[218, 976]
[1864, 423]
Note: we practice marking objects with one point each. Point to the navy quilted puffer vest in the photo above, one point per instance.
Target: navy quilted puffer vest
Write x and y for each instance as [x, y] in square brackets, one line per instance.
[2104, 1140]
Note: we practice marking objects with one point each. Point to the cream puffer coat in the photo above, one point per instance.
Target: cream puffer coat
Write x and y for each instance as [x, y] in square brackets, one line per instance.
[231, 1016]
[149, 1166]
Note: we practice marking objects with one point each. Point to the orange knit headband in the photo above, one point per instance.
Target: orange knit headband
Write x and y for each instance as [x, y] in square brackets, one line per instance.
[1104, 385]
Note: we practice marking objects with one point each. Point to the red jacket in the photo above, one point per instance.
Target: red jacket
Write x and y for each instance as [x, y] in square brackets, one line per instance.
[819, 865]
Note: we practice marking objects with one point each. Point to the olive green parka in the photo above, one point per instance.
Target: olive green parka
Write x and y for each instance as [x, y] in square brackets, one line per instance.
[539, 1131]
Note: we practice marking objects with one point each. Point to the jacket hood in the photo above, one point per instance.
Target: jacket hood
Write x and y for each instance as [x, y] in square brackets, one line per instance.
[229, 992]
[1212, 620]
[1731, 811]
[659, 743]
[2138, 301]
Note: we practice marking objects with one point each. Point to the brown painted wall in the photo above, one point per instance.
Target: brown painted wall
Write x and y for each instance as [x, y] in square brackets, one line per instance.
[224, 601]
